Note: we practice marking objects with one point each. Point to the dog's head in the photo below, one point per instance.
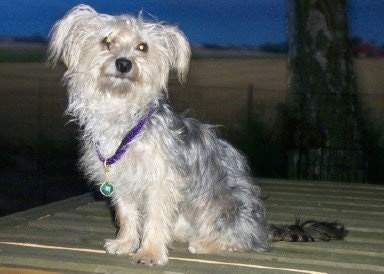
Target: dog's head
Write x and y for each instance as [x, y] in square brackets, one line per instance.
[120, 54]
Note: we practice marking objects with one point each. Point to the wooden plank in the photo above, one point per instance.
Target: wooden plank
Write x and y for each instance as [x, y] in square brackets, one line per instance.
[16, 270]
[45, 210]
[68, 236]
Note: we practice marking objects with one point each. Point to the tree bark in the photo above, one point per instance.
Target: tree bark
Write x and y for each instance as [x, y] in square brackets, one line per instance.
[325, 135]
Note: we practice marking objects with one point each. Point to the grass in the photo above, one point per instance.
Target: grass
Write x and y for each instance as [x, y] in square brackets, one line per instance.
[263, 73]
[7, 55]
[19, 52]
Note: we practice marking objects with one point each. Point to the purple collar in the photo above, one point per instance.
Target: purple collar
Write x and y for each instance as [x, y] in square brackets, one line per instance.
[125, 142]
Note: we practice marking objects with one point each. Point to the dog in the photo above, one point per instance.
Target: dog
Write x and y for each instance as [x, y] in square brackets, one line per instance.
[169, 177]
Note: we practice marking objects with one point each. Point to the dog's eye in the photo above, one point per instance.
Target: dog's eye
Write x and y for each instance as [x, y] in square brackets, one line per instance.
[107, 41]
[143, 47]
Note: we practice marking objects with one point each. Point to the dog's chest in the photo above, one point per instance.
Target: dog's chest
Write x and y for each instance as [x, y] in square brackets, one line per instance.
[143, 162]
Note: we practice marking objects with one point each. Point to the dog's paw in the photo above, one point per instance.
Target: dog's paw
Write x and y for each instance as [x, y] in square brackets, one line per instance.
[120, 247]
[150, 257]
[193, 248]
[207, 247]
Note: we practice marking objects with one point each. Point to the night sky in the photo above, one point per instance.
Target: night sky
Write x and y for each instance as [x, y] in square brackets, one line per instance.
[245, 22]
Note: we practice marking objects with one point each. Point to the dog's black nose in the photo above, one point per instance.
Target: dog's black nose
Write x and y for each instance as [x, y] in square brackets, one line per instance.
[123, 65]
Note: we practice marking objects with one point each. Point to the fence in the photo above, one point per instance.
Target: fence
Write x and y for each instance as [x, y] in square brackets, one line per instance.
[38, 150]
[231, 107]
[39, 145]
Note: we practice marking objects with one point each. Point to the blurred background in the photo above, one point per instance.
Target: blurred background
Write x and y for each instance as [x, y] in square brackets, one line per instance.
[244, 76]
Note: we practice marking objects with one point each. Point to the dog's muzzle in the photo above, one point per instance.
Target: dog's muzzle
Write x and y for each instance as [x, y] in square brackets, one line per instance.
[123, 65]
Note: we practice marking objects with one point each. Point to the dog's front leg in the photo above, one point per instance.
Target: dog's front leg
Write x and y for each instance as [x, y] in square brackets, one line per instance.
[160, 214]
[128, 238]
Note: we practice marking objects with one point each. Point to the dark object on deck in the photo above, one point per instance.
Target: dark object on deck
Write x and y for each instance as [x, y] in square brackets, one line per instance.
[309, 231]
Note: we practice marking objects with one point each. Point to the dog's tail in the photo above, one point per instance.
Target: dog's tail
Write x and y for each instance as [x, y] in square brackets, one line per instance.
[308, 231]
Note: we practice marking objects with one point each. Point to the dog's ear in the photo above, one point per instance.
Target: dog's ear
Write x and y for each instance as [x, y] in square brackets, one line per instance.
[68, 36]
[181, 51]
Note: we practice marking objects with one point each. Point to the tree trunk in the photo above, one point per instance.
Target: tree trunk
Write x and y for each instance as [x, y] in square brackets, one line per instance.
[326, 136]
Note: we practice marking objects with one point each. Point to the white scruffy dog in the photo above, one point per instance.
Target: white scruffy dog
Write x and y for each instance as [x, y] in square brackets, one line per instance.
[169, 177]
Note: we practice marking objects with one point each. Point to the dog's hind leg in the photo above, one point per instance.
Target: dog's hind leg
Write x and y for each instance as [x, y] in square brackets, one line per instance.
[231, 224]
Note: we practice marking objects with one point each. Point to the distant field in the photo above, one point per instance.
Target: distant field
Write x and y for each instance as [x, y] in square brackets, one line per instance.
[268, 73]
[370, 82]
[263, 73]
[216, 90]
[22, 52]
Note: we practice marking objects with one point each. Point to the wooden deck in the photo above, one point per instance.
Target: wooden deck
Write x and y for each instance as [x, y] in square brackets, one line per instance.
[68, 236]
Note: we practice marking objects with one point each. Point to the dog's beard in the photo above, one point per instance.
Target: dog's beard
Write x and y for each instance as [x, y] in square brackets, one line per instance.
[116, 85]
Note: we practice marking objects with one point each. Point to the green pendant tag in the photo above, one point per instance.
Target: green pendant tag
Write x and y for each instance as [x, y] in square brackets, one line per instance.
[106, 189]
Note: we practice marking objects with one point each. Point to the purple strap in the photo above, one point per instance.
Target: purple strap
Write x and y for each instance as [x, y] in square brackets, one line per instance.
[125, 142]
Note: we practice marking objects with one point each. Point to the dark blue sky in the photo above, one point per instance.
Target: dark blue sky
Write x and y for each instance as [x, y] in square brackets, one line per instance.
[251, 22]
